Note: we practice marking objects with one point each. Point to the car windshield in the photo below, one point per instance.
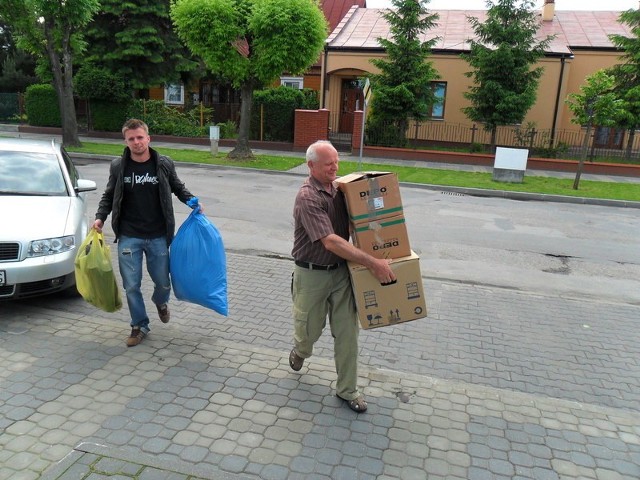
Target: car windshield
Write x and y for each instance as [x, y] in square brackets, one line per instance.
[29, 173]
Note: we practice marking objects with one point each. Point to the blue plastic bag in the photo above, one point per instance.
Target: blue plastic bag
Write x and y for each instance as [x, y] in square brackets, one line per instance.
[197, 262]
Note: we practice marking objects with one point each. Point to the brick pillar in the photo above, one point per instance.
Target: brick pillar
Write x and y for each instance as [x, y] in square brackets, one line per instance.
[357, 130]
[310, 125]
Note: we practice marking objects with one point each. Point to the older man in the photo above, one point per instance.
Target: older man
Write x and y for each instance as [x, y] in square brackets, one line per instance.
[320, 285]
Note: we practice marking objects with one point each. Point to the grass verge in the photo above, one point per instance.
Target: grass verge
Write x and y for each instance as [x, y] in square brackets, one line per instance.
[432, 176]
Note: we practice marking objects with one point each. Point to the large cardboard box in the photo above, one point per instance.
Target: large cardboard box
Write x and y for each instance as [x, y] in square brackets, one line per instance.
[380, 305]
[384, 238]
[371, 195]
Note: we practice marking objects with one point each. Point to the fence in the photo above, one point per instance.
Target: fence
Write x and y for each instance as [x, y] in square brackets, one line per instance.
[545, 143]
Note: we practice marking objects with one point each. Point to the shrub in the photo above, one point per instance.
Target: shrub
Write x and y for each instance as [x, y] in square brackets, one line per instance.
[228, 129]
[41, 105]
[165, 120]
[274, 110]
[108, 116]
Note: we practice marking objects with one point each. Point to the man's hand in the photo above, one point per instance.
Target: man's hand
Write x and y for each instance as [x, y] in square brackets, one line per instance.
[97, 225]
[381, 269]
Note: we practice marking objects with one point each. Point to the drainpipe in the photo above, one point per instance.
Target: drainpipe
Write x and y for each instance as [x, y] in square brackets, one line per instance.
[557, 106]
[324, 76]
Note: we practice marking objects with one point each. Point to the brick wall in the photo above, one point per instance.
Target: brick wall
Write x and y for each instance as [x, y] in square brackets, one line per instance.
[356, 137]
[310, 125]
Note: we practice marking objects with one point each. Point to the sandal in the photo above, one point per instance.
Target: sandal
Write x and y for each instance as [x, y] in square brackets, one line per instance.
[358, 405]
[295, 362]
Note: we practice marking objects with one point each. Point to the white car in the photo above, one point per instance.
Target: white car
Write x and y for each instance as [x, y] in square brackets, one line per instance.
[43, 217]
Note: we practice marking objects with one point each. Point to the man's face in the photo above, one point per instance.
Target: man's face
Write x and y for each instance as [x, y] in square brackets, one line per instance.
[325, 169]
[137, 140]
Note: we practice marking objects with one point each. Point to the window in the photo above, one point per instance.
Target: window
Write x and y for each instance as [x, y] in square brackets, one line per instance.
[440, 91]
[174, 94]
[293, 82]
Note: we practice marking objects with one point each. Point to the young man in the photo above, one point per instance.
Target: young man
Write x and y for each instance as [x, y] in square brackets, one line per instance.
[138, 195]
[320, 284]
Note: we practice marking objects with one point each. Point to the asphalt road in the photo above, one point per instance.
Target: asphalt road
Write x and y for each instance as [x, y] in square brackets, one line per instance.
[574, 250]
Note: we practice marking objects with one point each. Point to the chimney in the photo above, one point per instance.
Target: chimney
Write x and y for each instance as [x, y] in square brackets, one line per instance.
[548, 10]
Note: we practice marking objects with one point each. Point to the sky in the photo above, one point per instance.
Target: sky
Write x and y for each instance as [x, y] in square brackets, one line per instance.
[613, 5]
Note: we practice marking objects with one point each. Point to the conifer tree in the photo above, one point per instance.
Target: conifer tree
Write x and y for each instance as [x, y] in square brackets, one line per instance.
[136, 40]
[503, 57]
[402, 90]
[627, 76]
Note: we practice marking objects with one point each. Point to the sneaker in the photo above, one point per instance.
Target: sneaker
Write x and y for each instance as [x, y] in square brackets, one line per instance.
[136, 337]
[163, 312]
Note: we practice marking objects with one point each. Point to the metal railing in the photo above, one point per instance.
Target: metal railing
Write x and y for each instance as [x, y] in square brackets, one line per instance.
[540, 142]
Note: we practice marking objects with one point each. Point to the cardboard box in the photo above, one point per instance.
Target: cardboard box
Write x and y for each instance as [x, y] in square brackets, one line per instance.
[384, 238]
[371, 195]
[380, 305]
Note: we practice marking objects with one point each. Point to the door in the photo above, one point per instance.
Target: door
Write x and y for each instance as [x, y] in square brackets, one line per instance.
[351, 100]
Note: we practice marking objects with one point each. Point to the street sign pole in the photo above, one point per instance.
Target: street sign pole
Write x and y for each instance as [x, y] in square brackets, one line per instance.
[366, 90]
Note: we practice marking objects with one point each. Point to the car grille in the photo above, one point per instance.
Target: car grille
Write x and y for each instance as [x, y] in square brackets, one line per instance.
[30, 289]
[7, 290]
[9, 251]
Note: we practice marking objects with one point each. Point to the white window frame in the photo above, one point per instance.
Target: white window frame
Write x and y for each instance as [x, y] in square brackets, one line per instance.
[292, 82]
[170, 90]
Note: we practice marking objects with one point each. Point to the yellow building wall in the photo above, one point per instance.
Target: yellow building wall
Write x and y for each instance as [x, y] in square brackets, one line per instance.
[452, 69]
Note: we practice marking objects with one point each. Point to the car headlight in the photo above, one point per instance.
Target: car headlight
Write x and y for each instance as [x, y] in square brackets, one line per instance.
[49, 246]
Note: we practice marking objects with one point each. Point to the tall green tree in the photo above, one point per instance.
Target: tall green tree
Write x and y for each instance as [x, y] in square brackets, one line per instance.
[403, 86]
[503, 58]
[54, 30]
[17, 67]
[596, 104]
[627, 75]
[136, 40]
[251, 43]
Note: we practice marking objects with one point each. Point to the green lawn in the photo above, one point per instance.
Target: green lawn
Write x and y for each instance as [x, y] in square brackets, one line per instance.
[454, 178]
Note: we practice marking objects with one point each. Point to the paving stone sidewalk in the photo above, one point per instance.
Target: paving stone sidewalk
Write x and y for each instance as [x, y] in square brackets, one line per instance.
[472, 392]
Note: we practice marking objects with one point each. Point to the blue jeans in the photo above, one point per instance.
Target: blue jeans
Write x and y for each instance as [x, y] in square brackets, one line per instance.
[130, 252]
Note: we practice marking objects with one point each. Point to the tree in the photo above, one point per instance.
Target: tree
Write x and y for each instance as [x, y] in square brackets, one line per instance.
[504, 82]
[250, 43]
[596, 104]
[403, 86]
[53, 30]
[136, 40]
[627, 75]
[17, 67]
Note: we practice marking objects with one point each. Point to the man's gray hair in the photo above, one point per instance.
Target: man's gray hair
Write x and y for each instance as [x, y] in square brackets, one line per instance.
[312, 151]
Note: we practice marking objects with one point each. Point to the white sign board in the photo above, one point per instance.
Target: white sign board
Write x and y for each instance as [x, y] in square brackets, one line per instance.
[511, 158]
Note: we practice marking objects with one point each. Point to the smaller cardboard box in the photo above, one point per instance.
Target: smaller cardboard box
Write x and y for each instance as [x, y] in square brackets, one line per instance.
[371, 195]
[384, 238]
[380, 305]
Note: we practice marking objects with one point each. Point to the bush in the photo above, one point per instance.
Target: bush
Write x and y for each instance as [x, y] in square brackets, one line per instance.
[9, 106]
[165, 120]
[41, 105]
[108, 116]
[476, 147]
[273, 109]
[228, 129]
[96, 83]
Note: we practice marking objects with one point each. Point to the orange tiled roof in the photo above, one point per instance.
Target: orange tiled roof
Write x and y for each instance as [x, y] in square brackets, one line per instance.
[334, 10]
[361, 28]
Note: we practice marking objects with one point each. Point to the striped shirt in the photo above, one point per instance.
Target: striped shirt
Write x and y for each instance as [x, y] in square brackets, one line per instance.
[316, 214]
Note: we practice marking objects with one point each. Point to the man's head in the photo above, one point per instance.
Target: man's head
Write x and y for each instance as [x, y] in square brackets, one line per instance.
[322, 160]
[134, 123]
[136, 137]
